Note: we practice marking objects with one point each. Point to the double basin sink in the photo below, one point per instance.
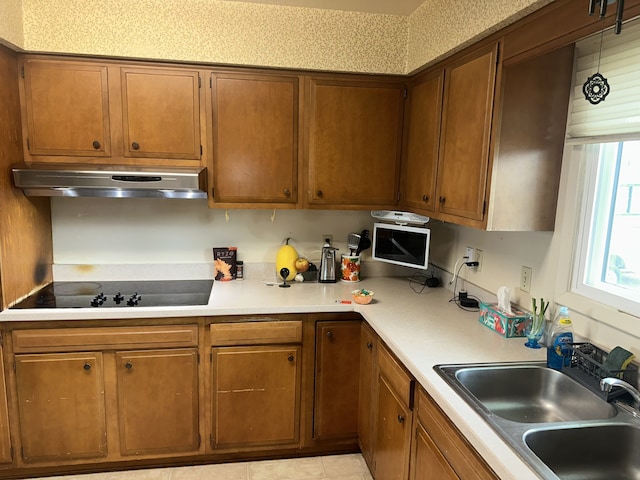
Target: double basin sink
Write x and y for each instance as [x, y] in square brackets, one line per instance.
[561, 428]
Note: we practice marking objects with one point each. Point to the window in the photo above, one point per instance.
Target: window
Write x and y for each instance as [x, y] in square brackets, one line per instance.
[608, 253]
[606, 139]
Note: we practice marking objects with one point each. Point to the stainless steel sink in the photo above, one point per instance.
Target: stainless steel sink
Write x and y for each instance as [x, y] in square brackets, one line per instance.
[561, 428]
[596, 452]
[532, 394]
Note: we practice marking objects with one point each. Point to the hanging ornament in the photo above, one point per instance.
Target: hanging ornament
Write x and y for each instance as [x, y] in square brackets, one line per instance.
[596, 88]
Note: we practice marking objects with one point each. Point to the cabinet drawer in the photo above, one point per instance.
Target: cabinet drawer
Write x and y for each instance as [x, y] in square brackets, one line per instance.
[455, 448]
[256, 333]
[396, 376]
[101, 338]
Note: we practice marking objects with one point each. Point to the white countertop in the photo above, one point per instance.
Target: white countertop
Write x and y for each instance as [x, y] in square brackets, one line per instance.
[423, 330]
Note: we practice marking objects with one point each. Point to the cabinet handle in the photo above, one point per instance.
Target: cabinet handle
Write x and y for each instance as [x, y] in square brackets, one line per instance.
[96, 145]
[291, 358]
[287, 192]
[400, 418]
[442, 199]
[135, 146]
[320, 194]
[329, 334]
[425, 198]
[87, 366]
[370, 345]
[128, 365]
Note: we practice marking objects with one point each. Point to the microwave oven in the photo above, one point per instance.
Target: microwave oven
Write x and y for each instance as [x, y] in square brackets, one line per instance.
[401, 245]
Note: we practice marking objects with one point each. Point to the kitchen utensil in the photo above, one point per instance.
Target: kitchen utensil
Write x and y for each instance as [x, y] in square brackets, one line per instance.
[328, 264]
[352, 243]
[364, 242]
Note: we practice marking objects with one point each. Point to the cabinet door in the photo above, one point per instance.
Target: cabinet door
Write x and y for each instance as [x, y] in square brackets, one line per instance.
[158, 401]
[67, 108]
[355, 136]
[429, 463]
[61, 406]
[256, 396]
[337, 378]
[5, 437]
[255, 138]
[422, 142]
[466, 132]
[368, 354]
[161, 113]
[393, 434]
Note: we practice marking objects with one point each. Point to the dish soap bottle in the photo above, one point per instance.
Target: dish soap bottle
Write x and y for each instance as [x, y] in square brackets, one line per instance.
[560, 335]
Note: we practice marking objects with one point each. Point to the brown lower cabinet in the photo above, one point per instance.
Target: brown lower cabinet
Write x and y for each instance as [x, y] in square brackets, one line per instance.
[92, 397]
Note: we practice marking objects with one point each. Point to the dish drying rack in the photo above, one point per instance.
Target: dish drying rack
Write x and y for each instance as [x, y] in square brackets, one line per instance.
[587, 367]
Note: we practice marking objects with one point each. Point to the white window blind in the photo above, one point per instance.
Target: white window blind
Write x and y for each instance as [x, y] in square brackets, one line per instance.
[619, 113]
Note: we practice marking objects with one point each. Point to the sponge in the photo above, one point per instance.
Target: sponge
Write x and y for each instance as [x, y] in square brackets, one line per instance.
[618, 359]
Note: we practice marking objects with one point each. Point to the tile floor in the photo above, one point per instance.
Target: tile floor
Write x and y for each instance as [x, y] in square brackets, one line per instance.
[332, 467]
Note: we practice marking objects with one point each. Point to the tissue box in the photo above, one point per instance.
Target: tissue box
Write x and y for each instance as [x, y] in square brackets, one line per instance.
[506, 325]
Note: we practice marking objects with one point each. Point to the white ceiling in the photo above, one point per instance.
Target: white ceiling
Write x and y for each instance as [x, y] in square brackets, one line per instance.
[395, 7]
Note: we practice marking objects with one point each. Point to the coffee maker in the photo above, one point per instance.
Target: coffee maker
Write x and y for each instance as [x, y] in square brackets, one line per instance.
[328, 264]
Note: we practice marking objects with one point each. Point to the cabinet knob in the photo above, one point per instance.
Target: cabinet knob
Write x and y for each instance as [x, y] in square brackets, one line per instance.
[400, 418]
[96, 145]
[425, 198]
[128, 365]
[329, 334]
[291, 358]
[135, 146]
[442, 199]
[320, 194]
[370, 345]
[287, 192]
[87, 366]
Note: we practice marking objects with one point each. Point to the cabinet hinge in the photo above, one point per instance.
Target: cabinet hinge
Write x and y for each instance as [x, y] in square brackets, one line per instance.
[211, 353]
[406, 93]
[22, 71]
[210, 82]
[498, 54]
[28, 145]
[398, 196]
[200, 150]
[484, 207]
[199, 82]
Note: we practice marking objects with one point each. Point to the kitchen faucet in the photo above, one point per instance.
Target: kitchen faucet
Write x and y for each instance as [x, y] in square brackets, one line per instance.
[607, 384]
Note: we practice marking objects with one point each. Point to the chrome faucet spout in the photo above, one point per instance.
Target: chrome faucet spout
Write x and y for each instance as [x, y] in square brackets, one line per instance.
[607, 384]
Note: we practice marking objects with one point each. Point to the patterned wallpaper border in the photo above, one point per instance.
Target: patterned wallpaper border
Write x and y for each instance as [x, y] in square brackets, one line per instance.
[238, 33]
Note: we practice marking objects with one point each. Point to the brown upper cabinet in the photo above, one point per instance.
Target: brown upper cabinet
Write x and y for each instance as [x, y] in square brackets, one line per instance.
[493, 155]
[422, 132]
[469, 86]
[92, 112]
[354, 130]
[161, 113]
[67, 109]
[255, 139]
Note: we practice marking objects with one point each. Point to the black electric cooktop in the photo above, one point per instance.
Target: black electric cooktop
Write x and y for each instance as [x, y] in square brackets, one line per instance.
[151, 293]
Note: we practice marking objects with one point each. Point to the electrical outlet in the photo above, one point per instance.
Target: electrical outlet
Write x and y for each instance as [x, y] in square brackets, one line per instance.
[525, 279]
[479, 259]
[469, 254]
[326, 238]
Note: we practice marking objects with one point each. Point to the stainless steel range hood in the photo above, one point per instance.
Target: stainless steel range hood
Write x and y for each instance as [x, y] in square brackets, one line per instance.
[62, 180]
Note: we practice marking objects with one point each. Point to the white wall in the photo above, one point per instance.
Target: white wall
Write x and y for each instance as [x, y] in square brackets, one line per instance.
[146, 231]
